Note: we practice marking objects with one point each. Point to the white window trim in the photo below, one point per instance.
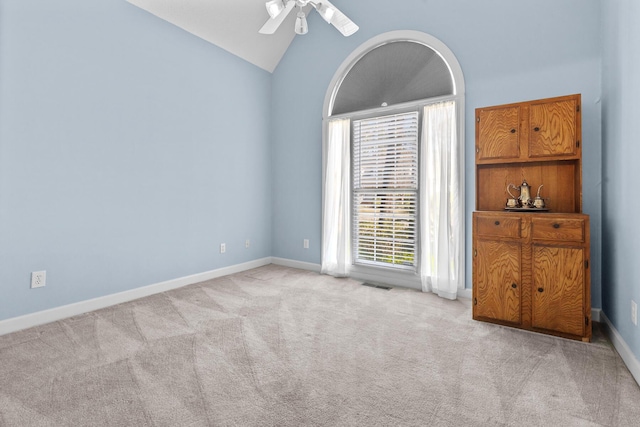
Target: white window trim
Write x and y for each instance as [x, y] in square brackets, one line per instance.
[394, 36]
[381, 274]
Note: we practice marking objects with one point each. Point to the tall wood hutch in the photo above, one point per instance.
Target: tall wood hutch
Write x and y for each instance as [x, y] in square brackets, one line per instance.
[530, 265]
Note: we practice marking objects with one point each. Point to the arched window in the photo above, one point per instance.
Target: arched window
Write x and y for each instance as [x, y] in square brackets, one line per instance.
[393, 166]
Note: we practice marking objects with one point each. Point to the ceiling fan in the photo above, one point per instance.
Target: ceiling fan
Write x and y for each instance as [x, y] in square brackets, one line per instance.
[280, 9]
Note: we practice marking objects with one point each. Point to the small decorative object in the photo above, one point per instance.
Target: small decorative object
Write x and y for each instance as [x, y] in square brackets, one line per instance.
[513, 202]
[524, 198]
[524, 202]
[539, 201]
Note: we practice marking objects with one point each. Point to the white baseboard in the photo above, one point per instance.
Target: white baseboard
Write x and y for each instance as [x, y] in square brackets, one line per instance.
[296, 264]
[54, 314]
[596, 314]
[465, 293]
[622, 348]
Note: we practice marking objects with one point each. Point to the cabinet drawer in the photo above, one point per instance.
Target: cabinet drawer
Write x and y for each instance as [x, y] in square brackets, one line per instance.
[558, 229]
[497, 226]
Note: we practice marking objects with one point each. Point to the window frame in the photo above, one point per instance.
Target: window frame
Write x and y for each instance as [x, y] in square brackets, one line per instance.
[354, 193]
[382, 274]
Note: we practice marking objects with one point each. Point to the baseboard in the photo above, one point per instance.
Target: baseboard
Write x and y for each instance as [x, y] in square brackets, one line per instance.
[58, 313]
[596, 314]
[364, 276]
[296, 264]
[622, 348]
[465, 293]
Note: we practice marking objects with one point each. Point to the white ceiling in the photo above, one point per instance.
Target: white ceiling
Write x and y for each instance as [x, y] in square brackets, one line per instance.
[230, 24]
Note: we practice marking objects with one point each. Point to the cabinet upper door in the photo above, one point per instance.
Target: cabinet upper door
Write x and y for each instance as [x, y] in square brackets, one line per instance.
[558, 289]
[498, 133]
[553, 128]
[498, 281]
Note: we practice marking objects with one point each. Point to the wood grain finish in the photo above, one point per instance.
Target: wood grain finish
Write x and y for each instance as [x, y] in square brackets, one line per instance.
[504, 226]
[499, 136]
[552, 128]
[558, 289]
[548, 152]
[558, 178]
[558, 229]
[537, 256]
[531, 269]
[498, 281]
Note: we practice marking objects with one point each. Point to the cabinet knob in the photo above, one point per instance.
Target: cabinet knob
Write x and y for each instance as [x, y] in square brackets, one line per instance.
[556, 225]
[537, 129]
[513, 285]
[513, 131]
[540, 290]
[497, 222]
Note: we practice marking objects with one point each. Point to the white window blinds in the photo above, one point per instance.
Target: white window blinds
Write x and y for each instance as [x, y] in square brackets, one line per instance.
[385, 190]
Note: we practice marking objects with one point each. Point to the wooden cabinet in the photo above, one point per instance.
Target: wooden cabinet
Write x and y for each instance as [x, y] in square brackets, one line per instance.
[531, 268]
[498, 133]
[498, 281]
[553, 128]
[539, 141]
[544, 129]
[559, 288]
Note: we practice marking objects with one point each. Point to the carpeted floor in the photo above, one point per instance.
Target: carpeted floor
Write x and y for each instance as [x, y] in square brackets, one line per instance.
[277, 346]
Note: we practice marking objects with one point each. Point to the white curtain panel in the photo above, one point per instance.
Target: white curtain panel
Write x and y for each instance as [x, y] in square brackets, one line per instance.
[440, 214]
[336, 249]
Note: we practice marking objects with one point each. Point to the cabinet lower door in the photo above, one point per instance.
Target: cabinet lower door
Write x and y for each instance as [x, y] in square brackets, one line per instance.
[558, 289]
[498, 281]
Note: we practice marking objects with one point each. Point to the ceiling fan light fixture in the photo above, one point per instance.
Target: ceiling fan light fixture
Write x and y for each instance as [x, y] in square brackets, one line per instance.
[279, 10]
[326, 12]
[274, 8]
[301, 24]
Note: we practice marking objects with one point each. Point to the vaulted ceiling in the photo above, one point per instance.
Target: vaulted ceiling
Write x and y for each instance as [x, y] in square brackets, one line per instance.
[230, 24]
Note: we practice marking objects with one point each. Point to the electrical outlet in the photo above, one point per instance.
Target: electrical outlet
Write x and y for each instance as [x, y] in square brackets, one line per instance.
[247, 243]
[223, 248]
[38, 279]
[305, 244]
[634, 312]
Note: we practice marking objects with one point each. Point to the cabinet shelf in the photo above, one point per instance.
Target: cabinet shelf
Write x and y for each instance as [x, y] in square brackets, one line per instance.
[561, 179]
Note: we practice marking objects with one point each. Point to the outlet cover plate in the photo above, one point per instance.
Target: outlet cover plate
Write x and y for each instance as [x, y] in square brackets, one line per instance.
[223, 248]
[38, 279]
[634, 312]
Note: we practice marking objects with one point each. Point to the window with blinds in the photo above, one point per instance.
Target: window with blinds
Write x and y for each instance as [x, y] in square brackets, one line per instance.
[385, 190]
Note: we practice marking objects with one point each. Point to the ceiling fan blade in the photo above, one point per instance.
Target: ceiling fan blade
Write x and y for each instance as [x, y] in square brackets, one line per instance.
[345, 25]
[272, 25]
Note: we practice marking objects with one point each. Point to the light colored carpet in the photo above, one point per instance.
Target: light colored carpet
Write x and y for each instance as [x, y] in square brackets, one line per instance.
[277, 346]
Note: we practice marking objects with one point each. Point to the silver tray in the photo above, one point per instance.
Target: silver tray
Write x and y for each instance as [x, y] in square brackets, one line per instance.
[527, 209]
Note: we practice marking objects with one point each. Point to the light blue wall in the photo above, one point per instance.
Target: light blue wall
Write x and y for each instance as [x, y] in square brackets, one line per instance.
[126, 154]
[621, 154]
[125, 159]
[509, 51]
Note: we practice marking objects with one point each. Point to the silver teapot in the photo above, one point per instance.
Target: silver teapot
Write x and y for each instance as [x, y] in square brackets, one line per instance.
[524, 198]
